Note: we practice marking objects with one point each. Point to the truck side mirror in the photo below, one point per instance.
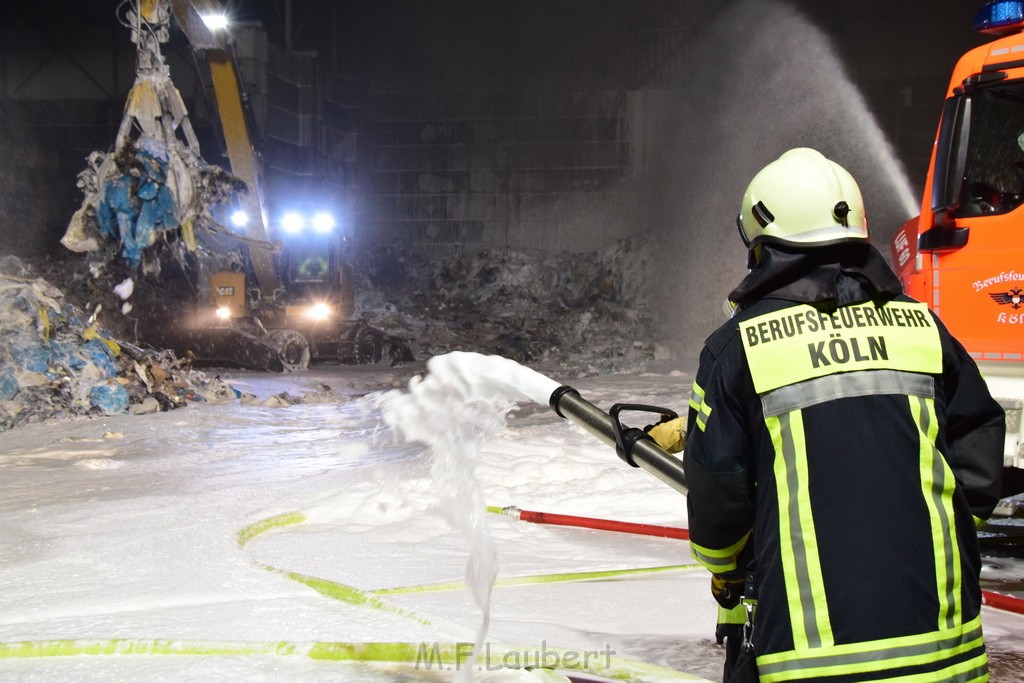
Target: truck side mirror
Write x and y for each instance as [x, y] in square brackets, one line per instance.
[944, 235]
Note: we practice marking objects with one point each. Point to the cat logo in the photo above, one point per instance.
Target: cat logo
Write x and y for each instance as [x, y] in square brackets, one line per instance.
[1013, 298]
[226, 291]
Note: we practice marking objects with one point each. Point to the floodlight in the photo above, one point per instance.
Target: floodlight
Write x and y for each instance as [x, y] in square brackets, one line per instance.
[215, 22]
[293, 223]
[323, 222]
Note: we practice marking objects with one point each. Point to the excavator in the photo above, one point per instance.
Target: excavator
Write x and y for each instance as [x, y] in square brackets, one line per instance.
[964, 254]
[260, 298]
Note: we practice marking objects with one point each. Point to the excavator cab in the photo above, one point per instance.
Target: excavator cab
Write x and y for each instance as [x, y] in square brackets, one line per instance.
[312, 271]
[315, 277]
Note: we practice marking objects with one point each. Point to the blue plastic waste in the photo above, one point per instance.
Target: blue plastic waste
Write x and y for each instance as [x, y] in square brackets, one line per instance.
[101, 355]
[137, 219]
[66, 353]
[117, 202]
[8, 384]
[147, 191]
[110, 397]
[156, 169]
[31, 356]
[156, 216]
[105, 219]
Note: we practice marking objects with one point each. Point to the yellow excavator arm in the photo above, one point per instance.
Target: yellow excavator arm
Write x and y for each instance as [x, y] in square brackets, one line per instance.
[245, 162]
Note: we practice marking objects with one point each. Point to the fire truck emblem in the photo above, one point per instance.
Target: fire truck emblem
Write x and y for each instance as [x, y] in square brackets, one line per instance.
[1014, 298]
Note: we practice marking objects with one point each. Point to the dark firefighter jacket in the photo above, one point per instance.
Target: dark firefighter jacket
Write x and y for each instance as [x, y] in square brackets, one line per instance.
[841, 444]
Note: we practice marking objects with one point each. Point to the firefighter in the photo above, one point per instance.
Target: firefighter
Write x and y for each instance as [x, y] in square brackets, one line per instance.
[841, 447]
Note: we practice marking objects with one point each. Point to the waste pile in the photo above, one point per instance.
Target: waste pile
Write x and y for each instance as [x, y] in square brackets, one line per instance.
[56, 361]
[583, 311]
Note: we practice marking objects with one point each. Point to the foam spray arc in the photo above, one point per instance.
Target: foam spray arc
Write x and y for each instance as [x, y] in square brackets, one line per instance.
[463, 402]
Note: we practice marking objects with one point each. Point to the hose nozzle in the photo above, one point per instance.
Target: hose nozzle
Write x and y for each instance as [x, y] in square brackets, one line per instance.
[632, 445]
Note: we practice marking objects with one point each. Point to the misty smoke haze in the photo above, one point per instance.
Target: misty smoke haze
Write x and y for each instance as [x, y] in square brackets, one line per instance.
[764, 80]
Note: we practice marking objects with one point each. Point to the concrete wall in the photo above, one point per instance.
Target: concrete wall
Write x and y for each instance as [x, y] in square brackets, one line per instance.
[41, 154]
[528, 171]
[508, 124]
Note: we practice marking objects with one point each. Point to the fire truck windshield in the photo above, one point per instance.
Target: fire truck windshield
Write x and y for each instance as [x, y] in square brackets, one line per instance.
[993, 161]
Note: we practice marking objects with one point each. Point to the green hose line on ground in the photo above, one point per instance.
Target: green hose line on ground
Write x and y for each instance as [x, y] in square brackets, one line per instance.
[348, 594]
[539, 578]
[253, 530]
[447, 655]
[128, 646]
[355, 596]
[444, 657]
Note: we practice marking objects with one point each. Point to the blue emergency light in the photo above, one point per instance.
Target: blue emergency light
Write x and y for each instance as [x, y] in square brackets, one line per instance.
[1000, 17]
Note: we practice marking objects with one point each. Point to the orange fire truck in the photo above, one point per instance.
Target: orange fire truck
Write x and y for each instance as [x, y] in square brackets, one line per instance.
[964, 255]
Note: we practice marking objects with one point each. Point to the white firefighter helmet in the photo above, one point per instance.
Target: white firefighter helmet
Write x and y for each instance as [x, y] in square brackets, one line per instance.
[802, 199]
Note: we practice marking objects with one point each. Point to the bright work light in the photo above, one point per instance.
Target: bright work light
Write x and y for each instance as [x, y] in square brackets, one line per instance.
[323, 222]
[239, 218]
[293, 223]
[223, 312]
[319, 311]
[215, 22]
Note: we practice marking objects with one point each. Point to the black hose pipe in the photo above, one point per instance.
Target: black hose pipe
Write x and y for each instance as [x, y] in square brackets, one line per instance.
[639, 452]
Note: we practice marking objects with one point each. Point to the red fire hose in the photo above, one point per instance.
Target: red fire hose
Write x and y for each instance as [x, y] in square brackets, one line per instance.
[1001, 601]
[592, 523]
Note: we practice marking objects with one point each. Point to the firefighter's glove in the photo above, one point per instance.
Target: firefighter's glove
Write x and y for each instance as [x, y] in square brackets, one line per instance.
[727, 588]
[669, 434]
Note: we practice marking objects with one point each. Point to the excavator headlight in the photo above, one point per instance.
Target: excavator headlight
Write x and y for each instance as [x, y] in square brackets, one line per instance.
[319, 311]
[223, 312]
[323, 222]
[239, 218]
[293, 223]
[1000, 17]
